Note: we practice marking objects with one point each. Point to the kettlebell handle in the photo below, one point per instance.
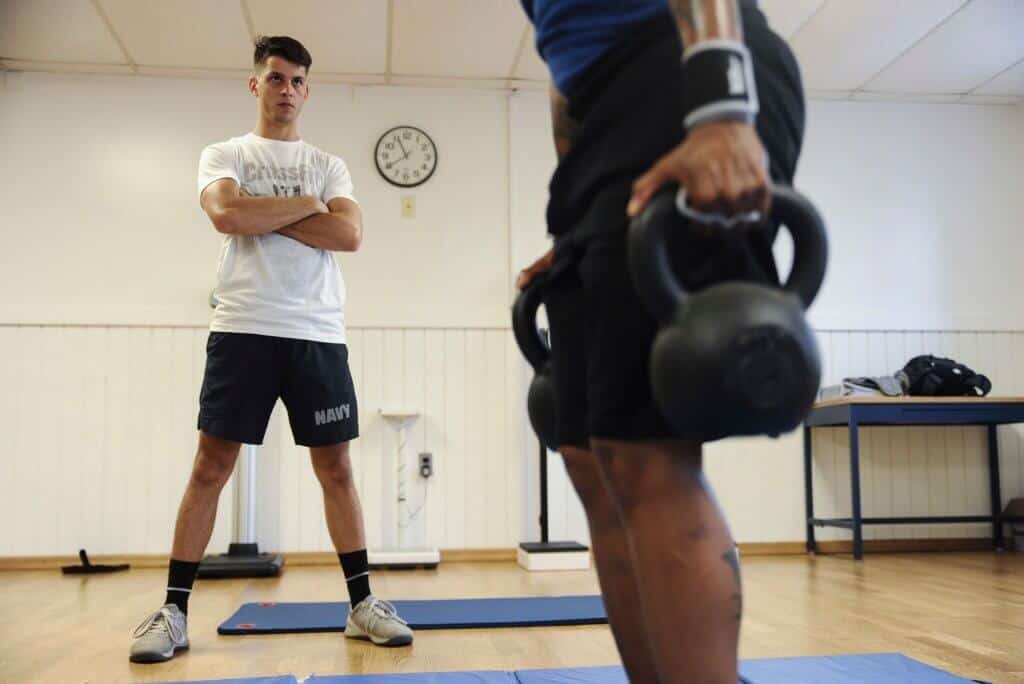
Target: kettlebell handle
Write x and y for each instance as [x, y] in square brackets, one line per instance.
[652, 271]
[524, 323]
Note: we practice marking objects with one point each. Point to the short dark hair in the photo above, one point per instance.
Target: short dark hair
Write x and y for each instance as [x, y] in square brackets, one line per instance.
[281, 46]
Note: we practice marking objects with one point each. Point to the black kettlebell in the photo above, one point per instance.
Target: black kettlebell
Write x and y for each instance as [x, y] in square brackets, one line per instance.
[736, 358]
[540, 401]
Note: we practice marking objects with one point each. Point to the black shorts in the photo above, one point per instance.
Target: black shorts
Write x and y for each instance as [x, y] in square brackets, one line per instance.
[245, 375]
[630, 109]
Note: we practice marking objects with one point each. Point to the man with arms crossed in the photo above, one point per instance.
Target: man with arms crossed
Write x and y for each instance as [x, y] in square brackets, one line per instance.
[278, 331]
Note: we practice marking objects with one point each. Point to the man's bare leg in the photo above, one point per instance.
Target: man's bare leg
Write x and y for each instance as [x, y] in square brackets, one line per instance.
[164, 633]
[344, 513]
[369, 617]
[614, 564]
[214, 463]
[684, 556]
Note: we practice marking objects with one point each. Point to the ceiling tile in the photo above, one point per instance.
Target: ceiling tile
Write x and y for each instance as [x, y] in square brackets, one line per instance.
[184, 33]
[787, 16]
[343, 36]
[975, 44]
[464, 38]
[907, 48]
[353, 79]
[531, 66]
[847, 43]
[56, 31]
[1010, 82]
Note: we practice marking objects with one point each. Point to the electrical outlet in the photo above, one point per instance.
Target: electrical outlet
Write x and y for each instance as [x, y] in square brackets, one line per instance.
[426, 465]
[409, 207]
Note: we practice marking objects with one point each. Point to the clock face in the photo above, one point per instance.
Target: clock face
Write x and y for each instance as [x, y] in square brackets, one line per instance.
[406, 156]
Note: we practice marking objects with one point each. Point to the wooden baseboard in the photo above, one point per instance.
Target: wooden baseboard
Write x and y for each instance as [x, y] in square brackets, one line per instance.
[310, 558]
[318, 558]
[478, 555]
[909, 545]
[870, 546]
[749, 549]
[56, 562]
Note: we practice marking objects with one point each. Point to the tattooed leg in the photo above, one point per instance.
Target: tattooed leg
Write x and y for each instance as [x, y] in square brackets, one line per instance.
[690, 597]
[732, 557]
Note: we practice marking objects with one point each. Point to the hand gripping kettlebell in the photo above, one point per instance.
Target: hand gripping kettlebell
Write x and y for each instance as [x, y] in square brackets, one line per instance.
[540, 401]
[736, 358]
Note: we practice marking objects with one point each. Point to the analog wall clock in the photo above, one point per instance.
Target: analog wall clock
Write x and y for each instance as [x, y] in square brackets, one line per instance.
[406, 156]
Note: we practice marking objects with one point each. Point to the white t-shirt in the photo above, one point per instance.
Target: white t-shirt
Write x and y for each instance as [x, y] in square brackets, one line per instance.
[270, 284]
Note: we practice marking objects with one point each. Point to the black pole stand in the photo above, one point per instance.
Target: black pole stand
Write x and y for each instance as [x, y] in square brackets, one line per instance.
[549, 555]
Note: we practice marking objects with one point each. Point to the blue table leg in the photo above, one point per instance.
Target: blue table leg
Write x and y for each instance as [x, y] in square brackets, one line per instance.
[995, 491]
[809, 490]
[858, 539]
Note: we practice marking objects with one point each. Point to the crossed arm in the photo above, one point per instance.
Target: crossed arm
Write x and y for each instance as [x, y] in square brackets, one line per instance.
[336, 226]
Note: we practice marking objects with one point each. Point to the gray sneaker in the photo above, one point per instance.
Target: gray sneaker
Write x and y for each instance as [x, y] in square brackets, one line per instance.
[378, 621]
[160, 636]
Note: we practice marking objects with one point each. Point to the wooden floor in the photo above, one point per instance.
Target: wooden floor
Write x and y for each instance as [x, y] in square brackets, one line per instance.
[963, 612]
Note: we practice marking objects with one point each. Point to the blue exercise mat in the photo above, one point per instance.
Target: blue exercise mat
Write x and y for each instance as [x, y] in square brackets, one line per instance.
[283, 679]
[577, 675]
[874, 668]
[484, 677]
[272, 618]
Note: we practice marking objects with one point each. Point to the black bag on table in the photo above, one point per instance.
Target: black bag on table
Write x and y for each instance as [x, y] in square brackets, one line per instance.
[934, 376]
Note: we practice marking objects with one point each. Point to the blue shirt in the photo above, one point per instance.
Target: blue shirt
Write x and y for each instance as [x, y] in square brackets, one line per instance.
[573, 34]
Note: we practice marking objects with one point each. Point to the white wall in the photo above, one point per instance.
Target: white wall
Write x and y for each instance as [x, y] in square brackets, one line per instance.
[99, 186]
[108, 263]
[923, 209]
[921, 202]
[98, 428]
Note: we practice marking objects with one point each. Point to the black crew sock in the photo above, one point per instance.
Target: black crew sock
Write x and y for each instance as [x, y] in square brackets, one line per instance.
[357, 575]
[180, 577]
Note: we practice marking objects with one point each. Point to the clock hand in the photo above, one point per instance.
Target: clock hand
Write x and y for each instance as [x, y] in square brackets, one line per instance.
[399, 141]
